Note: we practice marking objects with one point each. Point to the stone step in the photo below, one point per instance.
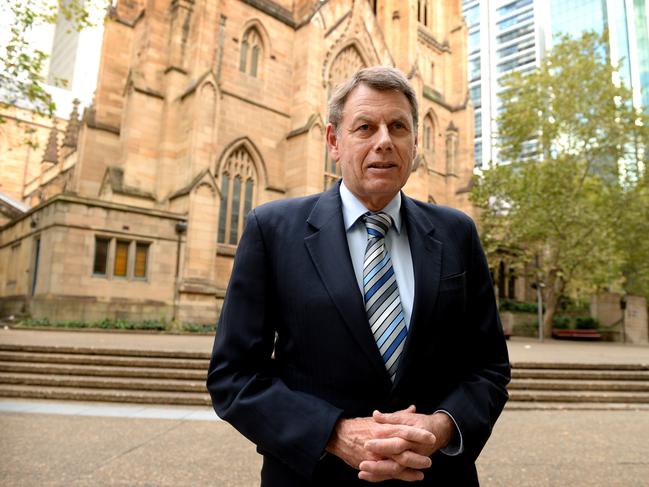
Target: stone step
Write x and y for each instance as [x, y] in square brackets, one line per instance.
[580, 396]
[105, 395]
[578, 385]
[119, 352]
[580, 374]
[64, 358]
[581, 366]
[579, 406]
[80, 381]
[104, 370]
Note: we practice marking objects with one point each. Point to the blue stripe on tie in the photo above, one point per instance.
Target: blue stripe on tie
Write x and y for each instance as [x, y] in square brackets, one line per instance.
[386, 334]
[374, 233]
[394, 345]
[376, 269]
[379, 283]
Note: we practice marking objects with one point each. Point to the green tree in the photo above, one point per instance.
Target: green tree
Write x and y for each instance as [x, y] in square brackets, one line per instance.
[564, 132]
[22, 65]
[633, 237]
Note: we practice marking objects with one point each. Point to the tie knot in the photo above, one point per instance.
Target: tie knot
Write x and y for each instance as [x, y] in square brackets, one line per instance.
[377, 224]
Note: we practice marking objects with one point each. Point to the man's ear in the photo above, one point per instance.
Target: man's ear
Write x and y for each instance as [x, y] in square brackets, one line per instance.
[332, 142]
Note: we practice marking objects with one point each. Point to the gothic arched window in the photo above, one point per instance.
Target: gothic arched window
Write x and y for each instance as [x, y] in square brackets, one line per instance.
[238, 182]
[429, 136]
[251, 53]
[346, 63]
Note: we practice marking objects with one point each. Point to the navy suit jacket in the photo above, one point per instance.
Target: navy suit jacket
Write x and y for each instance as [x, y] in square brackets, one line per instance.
[294, 352]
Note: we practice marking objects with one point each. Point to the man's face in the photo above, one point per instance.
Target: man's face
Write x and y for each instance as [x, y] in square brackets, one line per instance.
[374, 145]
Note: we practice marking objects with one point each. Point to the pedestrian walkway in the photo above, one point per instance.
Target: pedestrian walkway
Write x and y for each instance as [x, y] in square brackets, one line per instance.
[124, 340]
[75, 408]
[520, 349]
[569, 351]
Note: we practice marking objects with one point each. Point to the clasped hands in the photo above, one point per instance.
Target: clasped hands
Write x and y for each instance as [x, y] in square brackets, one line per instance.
[391, 445]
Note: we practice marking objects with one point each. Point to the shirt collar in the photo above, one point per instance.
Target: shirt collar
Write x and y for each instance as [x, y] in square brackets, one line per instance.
[353, 209]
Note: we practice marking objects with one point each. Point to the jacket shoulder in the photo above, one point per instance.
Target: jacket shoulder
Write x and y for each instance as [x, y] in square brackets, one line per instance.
[289, 209]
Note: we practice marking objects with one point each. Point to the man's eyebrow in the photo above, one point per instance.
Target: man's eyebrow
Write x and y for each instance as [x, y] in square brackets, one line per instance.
[361, 117]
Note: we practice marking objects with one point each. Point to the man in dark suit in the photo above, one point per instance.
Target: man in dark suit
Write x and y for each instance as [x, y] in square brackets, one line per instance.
[359, 339]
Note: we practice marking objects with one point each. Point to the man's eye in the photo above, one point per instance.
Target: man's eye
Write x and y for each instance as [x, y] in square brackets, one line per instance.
[363, 127]
[398, 125]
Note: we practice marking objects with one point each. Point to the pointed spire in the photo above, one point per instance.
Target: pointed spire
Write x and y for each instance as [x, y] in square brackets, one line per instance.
[52, 150]
[72, 130]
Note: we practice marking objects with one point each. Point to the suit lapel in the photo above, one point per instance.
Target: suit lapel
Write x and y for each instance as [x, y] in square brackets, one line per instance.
[427, 266]
[330, 254]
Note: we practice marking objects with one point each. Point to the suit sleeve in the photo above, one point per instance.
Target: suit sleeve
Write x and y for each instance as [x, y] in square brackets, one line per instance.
[481, 394]
[292, 426]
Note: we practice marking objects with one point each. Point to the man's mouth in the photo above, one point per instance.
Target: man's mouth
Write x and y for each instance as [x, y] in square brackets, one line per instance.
[382, 165]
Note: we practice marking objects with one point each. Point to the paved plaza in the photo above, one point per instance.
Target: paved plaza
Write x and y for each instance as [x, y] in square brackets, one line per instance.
[75, 444]
[46, 443]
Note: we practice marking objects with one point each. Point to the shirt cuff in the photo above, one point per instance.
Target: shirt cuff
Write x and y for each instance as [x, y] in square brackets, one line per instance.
[456, 445]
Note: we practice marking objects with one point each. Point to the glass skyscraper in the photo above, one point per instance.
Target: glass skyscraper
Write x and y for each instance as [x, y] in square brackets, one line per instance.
[626, 21]
[504, 36]
[513, 35]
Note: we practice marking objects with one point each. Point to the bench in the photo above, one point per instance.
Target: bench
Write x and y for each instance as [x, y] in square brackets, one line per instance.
[576, 334]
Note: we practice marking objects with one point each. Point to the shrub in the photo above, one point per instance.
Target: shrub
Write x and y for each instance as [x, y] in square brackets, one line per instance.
[561, 322]
[586, 323]
[199, 327]
[105, 324]
[519, 306]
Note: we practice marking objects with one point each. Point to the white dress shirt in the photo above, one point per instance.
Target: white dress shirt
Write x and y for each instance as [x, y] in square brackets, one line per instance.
[396, 244]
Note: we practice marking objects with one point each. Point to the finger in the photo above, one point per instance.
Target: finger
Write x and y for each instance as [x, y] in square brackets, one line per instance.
[387, 469]
[406, 432]
[410, 409]
[399, 451]
[387, 447]
[406, 475]
[414, 460]
[398, 417]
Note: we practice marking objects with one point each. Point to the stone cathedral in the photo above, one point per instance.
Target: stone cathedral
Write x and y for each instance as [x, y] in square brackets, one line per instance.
[204, 109]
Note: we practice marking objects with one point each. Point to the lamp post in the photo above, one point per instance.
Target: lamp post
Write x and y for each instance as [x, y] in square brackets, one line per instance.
[181, 229]
[539, 304]
[623, 308]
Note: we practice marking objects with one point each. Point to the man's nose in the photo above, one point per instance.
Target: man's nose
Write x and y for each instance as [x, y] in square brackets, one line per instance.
[384, 138]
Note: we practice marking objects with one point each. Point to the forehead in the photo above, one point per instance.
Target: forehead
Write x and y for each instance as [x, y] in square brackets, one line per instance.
[366, 101]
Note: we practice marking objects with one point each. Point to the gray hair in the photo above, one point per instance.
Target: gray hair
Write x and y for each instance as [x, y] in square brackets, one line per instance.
[380, 78]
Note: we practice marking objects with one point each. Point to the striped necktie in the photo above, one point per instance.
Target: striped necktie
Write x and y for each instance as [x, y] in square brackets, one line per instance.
[381, 293]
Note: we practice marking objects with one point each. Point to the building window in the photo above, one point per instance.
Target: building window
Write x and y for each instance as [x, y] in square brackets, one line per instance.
[477, 124]
[477, 153]
[126, 259]
[429, 136]
[451, 151]
[238, 182]
[141, 258]
[251, 52]
[424, 14]
[347, 62]
[101, 256]
[332, 171]
[121, 258]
